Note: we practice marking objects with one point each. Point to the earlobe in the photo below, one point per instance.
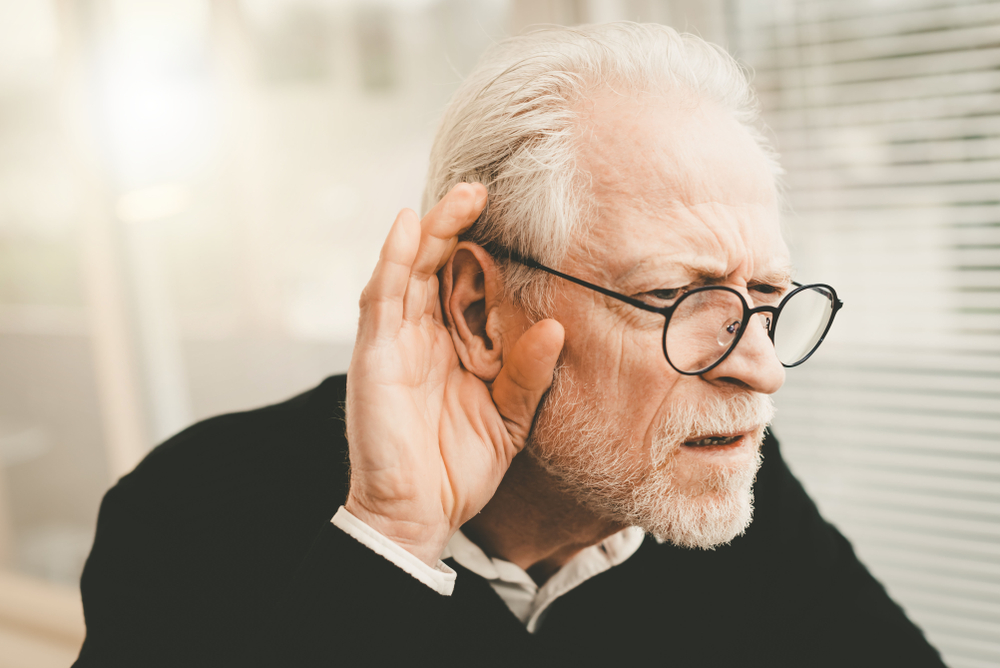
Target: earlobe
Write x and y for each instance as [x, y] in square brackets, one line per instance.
[468, 296]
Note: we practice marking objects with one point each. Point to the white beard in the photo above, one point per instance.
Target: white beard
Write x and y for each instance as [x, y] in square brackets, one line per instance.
[584, 450]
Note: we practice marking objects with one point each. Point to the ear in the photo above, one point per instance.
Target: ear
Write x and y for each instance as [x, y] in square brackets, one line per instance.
[469, 288]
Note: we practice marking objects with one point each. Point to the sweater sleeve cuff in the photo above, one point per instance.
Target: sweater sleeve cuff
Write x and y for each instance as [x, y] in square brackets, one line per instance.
[440, 578]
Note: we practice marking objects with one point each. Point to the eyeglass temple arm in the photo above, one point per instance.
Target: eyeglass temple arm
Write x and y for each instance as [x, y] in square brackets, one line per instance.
[499, 252]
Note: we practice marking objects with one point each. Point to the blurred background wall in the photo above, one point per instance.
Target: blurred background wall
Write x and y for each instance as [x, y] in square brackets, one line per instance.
[194, 192]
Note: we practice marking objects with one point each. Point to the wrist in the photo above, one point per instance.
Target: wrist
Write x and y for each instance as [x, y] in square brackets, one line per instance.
[425, 542]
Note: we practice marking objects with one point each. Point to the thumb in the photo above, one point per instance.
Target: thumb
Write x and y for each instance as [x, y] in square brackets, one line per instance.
[526, 376]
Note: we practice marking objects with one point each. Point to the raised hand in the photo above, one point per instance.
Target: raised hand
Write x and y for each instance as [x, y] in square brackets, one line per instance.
[429, 441]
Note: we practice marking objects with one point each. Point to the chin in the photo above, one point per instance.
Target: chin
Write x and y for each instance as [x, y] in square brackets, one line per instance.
[703, 508]
[704, 521]
[691, 497]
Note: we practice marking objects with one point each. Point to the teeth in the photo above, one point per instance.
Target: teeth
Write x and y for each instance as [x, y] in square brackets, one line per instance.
[714, 440]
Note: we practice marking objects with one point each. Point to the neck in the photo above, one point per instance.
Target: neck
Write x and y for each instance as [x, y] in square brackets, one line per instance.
[532, 524]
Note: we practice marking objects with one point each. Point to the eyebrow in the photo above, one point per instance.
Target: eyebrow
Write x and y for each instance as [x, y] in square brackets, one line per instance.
[782, 276]
[706, 274]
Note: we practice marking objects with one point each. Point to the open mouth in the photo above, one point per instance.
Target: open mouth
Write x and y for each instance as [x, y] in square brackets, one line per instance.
[709, 441]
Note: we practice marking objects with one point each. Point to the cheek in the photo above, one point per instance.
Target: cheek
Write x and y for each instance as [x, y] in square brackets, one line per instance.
[624, 365]
[612, 353]
[648, 397]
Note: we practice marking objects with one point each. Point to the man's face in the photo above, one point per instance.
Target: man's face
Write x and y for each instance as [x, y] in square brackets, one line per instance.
[684, 199]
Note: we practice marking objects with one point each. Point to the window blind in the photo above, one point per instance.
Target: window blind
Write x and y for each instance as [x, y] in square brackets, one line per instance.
[887, 116]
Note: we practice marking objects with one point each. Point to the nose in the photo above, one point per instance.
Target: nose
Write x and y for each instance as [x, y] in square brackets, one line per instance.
[753, 364]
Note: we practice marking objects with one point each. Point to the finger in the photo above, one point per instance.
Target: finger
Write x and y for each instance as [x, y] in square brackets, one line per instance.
[433, 302]
[382, 299]
[421, 296]
[416, 298]
[436, 305]
[440, 228]
[526, 376]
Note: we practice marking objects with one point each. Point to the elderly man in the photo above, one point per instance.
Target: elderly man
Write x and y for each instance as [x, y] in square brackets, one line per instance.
[560, 385]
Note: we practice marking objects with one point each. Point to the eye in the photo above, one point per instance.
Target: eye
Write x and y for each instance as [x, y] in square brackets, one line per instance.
[772, 293]
[666, 295]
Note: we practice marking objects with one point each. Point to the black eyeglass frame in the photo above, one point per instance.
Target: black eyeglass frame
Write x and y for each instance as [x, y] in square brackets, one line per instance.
[668, 311]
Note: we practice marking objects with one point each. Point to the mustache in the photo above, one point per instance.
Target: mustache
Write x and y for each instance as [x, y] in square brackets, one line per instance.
[719, 414]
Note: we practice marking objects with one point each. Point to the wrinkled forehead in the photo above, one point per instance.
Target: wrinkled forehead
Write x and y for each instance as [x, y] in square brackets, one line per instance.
[683, 161]
[681, 141]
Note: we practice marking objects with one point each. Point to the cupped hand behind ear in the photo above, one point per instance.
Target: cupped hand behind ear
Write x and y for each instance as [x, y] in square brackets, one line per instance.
[429, 442]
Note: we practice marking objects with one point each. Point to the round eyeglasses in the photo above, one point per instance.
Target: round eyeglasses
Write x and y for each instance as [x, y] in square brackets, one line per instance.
[705, 324]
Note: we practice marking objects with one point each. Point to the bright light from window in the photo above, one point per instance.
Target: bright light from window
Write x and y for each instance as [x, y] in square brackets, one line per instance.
[157, 100]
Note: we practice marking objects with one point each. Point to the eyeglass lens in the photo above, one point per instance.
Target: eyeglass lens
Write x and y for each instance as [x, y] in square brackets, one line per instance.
[803, 322]
[702, 329]
[705, 325]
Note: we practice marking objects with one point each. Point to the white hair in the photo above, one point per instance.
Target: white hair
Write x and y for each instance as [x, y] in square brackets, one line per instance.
[510, 127]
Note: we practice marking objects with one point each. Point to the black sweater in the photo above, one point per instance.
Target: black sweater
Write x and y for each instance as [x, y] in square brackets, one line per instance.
[218, 551]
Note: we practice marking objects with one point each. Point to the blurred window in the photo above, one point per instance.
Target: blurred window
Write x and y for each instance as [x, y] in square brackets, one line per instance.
[192, 195]
[887, 116]
[51, 440]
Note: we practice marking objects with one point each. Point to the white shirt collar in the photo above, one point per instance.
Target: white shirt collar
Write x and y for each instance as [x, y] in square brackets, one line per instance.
[523, 597]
